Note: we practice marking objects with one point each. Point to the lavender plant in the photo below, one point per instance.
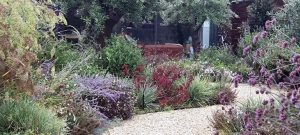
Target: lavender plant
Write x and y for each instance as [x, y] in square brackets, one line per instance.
[111, 96]
[282, 53]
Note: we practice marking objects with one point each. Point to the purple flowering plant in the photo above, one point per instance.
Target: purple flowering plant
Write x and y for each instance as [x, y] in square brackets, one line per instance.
[278, 57]
[111, 96]
[278, 60]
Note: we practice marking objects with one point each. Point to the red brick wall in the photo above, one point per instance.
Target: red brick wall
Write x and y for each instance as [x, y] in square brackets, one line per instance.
[240, 9]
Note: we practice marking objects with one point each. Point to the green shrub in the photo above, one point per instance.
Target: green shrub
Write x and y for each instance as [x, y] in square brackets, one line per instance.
[201, 91]
[119, 52]
[24, 115]
[288, 20]
[61, 51]
[219, 57]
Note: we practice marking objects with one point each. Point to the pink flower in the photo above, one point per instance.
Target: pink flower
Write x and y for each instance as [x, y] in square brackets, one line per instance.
[272, 100]
[267, 24]
[52, 91]
[265, 102]
[280, 85]
[249, 126]
[263, 34]
[258, 52]
[266, 111]
[71, 92]
[247, 49]
[216, 133]
[255, 39]
[62, 93]
[61, 85]
[283, 116]
[262, 70]
[273, 21]
[262, 90]
[70, 100]
[284, 44]
[237, 79]
[245, 118]
[293, 40]
[252, 81]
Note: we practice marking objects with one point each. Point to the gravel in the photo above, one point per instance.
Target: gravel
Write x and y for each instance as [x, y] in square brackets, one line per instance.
[179, 122]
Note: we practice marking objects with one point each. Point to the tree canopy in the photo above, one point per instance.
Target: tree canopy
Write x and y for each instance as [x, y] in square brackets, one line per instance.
[104, 14]
[195, 12]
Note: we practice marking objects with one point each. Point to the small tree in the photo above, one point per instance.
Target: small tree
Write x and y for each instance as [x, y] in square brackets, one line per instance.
[258, 13]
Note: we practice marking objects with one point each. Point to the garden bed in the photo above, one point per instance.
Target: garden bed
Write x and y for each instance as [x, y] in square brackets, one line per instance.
[194, 121]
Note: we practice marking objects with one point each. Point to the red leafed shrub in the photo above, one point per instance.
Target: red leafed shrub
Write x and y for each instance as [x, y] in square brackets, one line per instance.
[164, 77]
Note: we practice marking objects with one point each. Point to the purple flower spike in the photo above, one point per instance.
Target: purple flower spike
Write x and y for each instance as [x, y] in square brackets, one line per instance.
[266, 111]
[272, 100]
[282, 116]
[245, 118]
[252, 81]
[265, 102]
[280, 85]
[273, 21]
[262, 70]
[237, 79]
[267, 24]
[255, 39]
[284, 44]
[262, 90]
[247, 49]
[249, 126]
[263, 34]
[293, 40]
[221, 94]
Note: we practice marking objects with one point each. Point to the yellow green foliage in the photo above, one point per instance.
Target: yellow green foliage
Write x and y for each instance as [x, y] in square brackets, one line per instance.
[20, 28]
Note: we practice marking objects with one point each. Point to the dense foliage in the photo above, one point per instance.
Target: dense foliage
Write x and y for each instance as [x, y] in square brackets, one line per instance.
[119, 52]
[195, 13]
[22, 24]
[100, 16]
[287, 18]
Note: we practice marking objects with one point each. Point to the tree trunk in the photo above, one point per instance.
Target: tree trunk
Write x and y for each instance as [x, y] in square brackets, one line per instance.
[196, 43]
[114, 16]
[108, 27]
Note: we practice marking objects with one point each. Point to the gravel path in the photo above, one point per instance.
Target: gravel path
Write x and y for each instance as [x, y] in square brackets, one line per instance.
[178, 122]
